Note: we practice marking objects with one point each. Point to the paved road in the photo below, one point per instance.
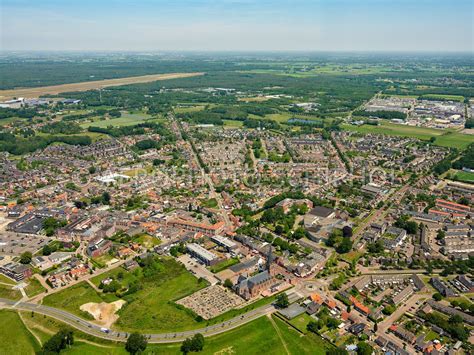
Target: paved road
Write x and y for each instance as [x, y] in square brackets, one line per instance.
[95, 330]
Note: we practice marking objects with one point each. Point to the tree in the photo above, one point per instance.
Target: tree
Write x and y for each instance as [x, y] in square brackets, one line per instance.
[92, 169]
[47, 250]
[347, 232]
[282, 300]
[59, 341]
[194, 344]
[345, 246]
[437, 297]
[228, 283]
[312, 326]
[25, 258]
[364, 349]
[136, 343]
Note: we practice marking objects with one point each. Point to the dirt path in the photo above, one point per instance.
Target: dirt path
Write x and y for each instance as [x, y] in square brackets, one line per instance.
[89, 85]
[278, 333]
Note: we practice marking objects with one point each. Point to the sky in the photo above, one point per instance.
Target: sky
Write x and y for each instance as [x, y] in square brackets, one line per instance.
[234, 25]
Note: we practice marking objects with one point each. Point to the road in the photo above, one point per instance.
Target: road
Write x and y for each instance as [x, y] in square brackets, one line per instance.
[95, 330]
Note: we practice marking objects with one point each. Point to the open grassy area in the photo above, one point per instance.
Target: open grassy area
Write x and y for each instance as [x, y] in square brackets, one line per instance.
[6, 280]
[464, 176]
[34, 287]
[263, 335]
[233, 124]
[14, 336]
[152, 309]
[147, 240]
[71, 298]
[187, 109]
[443, 138]
[127, 119]
[301, 322]
[224, 265]
[9, 293]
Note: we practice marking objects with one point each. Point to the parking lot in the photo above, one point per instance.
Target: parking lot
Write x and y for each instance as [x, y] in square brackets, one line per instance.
[16, 244]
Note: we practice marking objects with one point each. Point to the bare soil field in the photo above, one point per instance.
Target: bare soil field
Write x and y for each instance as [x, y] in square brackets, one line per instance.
[103, 313]
[89, 85]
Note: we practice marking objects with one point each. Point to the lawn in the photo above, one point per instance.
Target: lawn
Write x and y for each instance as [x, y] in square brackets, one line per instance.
[444, 138]
[34, 287]
[14, 337]
[210, 203]
[147, 240]
[224, 265]
[301, 322]
[464, 176]
[71, 298]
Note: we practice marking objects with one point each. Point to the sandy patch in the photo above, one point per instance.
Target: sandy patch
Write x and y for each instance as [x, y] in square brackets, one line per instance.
[103, 313]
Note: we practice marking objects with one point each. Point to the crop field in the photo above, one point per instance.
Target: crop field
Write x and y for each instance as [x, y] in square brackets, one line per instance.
[443, 138]
[89, 85]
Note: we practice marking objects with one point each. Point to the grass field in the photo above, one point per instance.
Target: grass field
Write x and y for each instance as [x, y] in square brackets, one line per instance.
[301, 322]
[233, 124]
[151, 309]
[224, 265]
[261, 336]
[464, 176]
[127, 119]
[187, 109]
[7, 292]
[14, 337]
[443, 138]
[71, 298]
[34, 287]
[6, 280]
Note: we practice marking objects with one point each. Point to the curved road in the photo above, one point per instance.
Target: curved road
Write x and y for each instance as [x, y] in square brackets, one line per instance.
[95, 330]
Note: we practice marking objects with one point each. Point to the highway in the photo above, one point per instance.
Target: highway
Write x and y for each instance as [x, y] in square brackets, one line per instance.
[121, 336]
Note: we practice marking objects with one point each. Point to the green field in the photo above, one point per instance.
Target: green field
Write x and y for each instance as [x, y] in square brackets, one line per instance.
[72, 298]
[261, 336]
[14, 336]
[7, 292]
[127, 119]
[151, 309]
[34, 287]
[443, 138]
[224, 265]
[233, 124]
[6, 280]
[301, 322]
[464, 176]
